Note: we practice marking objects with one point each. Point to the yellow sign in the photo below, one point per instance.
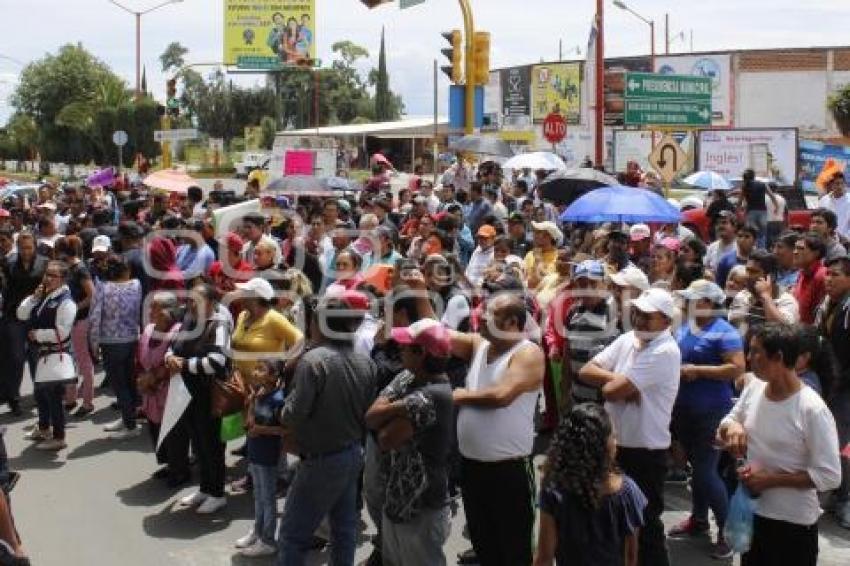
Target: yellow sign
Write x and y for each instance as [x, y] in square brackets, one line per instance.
[269, 34]
[556, 87]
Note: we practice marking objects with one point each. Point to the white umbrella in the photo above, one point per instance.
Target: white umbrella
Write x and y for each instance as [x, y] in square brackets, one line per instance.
[708, 180]
[534, 161]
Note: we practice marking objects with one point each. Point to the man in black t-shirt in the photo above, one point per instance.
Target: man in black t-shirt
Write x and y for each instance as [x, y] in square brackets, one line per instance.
[753, 195]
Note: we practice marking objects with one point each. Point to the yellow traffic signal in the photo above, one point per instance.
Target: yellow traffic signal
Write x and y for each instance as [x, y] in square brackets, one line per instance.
[454, 55]
[481, 57]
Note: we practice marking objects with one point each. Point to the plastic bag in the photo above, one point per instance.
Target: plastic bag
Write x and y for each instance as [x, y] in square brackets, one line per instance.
[232, 427]
[739, 523]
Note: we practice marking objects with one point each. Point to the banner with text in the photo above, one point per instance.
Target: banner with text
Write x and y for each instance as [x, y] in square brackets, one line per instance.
[516, 95]
[770, 153]
[269, 34]
[813, 155]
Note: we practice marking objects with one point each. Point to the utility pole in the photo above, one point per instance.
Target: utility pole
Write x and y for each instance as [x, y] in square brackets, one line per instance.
[435, 148]
[600, 84]
[666, 35]
[469, 30]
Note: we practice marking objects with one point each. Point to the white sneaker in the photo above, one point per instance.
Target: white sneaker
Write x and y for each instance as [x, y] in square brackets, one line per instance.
[247, 540]
[114, 426]
[258, 549]
[38, 435]
[211, 505]
[195, 499]
[125, 433]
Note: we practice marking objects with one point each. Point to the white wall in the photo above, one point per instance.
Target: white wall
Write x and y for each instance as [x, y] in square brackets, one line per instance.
[783, 99]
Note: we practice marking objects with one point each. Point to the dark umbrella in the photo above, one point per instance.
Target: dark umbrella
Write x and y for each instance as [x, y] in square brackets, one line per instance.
[485, 145]
[566, 186]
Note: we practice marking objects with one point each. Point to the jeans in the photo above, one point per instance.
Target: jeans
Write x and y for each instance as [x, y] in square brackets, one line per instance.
[418, 542]
[265, 501]
[648, 469]
[779, 542]
[695, 431]
[758, 219]
[14, 342]
[119, 364]
[51, 410]
[323, 485]
[498, 499]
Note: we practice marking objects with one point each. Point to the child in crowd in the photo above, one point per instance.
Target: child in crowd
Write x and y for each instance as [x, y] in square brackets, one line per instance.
[590, 513]
[263, 448]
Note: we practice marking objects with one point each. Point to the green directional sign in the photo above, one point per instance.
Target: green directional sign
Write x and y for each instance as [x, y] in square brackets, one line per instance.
[667, 100]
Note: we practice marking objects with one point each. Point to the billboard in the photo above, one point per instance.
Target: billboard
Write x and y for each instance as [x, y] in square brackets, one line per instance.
[716, 67]
[769, 152]
[556, 87]
[614, 86]
[516, 94]
[813, 154]
[269, 34]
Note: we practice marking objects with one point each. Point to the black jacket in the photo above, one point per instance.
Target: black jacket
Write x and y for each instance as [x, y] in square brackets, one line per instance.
[20, 282]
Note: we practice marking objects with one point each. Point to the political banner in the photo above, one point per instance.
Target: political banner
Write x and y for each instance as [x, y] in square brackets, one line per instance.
[516, 92]
[813, 154]
[556, 87]
[771, 153]
[269, 34]
[716, 67]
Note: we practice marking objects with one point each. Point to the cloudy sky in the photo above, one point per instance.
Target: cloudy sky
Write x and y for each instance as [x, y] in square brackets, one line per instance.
[523, 32]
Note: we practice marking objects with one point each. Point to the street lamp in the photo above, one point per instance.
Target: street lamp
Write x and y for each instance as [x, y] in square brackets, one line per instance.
[138, 15]
[622, 5]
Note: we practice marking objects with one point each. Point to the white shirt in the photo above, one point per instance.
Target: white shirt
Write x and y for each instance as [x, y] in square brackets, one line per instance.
[794, 435]
[504, 433]
[477, 264]
[716, 250]
[776, 212]
[841, 207]
[654, 371]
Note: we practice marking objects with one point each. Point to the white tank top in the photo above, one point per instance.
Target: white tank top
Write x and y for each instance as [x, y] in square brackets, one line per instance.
[492, 435]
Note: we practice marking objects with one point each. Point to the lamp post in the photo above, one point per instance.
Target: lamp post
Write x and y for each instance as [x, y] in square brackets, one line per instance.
[622, 5]
[138, 15]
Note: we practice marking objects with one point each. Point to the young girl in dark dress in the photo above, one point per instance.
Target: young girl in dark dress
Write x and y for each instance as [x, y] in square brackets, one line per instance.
[590, 513]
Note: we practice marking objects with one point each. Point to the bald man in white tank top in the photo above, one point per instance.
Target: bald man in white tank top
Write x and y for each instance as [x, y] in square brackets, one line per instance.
[495, 426]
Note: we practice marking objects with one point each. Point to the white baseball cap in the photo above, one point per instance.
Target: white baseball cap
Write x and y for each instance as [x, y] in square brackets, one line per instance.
[259, 287]
[639, 232]
[631, 277]
[101, 244]
[656, 300]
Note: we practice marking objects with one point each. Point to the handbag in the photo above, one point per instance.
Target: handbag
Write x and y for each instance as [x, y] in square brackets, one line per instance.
[54, 367]
[227, 396]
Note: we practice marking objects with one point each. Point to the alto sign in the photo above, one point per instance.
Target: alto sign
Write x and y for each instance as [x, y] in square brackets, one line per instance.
[554, 128]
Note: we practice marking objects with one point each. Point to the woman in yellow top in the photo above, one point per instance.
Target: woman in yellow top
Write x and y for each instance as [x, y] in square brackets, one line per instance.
[540, 261]
[260, 330]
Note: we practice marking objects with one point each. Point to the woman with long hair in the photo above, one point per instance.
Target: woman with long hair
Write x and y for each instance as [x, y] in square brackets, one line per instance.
[590, 512]
[70, 250]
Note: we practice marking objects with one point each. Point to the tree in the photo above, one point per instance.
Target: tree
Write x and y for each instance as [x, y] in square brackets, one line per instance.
[174, 56]
[268, 127]
[383, 97]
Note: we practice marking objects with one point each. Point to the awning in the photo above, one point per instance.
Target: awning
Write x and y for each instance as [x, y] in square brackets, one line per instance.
[171, 181]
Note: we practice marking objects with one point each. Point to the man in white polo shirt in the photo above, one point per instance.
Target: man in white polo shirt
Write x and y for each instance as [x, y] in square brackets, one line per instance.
[639, 377]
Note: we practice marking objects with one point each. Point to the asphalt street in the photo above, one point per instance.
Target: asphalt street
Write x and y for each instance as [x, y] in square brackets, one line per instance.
[95, 503]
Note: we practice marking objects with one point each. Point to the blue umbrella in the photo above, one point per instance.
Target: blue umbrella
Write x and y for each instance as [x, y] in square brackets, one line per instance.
[621, 204]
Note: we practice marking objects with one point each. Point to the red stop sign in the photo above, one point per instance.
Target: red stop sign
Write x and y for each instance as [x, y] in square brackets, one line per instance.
[554, 128]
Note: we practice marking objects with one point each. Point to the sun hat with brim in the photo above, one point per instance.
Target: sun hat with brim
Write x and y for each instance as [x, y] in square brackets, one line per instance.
[550, 227]
[703, 289]
[656, 300]
[631, 277]
[590, 269]
[259, 287]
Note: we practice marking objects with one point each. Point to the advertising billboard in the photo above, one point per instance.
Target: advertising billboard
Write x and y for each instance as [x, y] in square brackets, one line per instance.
[813, 155]
[770, 153]
[556, 87]
[614, 86]
[716, 67]
[516, 94]
[269, 34]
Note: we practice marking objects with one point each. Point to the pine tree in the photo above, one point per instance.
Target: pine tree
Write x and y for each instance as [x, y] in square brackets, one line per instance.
[383, 97]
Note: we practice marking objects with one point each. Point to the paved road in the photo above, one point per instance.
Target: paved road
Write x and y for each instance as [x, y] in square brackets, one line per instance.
[96, 504]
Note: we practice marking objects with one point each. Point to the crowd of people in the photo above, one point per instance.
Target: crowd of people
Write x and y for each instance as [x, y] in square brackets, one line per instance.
[403, 350]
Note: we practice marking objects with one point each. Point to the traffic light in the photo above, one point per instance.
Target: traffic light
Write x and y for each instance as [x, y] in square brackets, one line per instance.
[171, 102]
[454, 55]
[481, 57]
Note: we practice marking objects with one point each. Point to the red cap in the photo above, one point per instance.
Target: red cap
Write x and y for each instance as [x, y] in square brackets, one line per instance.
[434, 340]
[355, 300]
